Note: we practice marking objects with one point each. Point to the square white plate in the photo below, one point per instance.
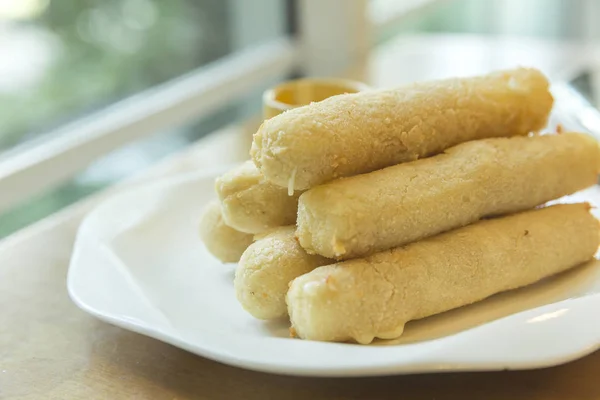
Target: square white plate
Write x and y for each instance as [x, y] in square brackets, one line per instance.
[138, 263]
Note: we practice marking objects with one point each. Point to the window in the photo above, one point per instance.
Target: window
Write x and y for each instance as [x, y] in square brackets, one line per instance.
[92, 91]
[83, 71]
[64, 59]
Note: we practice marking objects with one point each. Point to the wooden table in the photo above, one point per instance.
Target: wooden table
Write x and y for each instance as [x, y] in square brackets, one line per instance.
[49, 349]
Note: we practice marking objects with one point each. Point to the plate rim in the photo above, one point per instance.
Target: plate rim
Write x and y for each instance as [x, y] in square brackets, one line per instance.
[280, 369]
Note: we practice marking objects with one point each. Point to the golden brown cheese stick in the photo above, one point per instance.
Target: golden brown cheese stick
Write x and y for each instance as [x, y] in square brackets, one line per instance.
[363, 214]
[266, 269]
[222, 241]
[373, 297]
[251, 204]
[357, 133]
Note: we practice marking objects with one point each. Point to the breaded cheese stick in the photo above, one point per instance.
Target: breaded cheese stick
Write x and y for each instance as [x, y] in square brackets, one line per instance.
[363, 214]
[222, 241]
[251, 204]
[267, 267]
[373, 297]
[357, 133]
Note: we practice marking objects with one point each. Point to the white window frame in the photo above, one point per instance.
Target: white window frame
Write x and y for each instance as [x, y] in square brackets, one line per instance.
[76, 145]
[334, 38]
[387, 14]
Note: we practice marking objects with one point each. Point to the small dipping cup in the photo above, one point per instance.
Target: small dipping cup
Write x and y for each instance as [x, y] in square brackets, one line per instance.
[300, 92]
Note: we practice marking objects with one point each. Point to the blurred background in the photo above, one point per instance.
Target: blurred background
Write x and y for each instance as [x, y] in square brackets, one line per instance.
[82, 80]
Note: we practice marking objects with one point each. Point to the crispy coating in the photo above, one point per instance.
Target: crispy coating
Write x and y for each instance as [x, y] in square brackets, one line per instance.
[363, 214]
[357, 133]
[266, 269]
[251, 204]
[222, 241]
[375, 296]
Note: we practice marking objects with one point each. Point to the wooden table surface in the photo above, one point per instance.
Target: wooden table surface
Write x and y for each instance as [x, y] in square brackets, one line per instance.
[49, 349]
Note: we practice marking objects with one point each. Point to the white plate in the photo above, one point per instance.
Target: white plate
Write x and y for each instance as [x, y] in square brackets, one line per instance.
[138, 263]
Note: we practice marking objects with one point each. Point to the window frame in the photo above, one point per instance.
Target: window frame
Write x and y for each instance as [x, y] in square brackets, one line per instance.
[71, 148]
[315, 47]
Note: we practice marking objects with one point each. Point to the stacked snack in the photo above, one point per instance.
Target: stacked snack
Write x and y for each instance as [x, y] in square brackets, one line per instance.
[407, 232]
[375, 296]
[266, 269]
[223, 242]
[249, 204]
[357, 133]
[397, 205]
[252, 205]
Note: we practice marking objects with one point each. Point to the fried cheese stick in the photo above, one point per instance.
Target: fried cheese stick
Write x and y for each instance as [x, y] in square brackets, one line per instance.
[222, 241]
[367, 213]
[373, 297]
[352, 134]
[251, 204]
[266, 269]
